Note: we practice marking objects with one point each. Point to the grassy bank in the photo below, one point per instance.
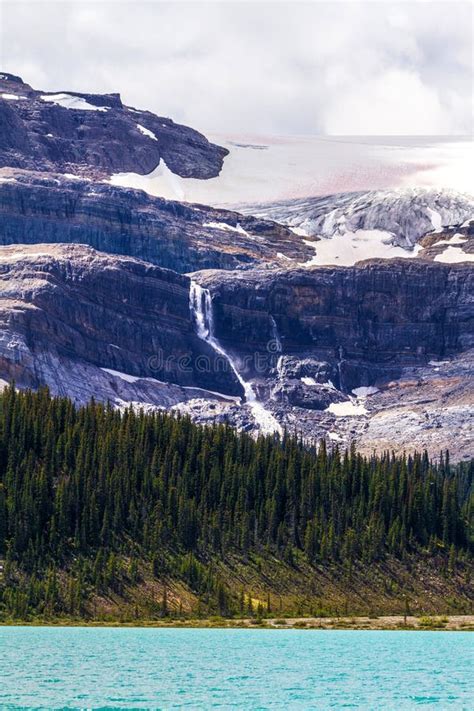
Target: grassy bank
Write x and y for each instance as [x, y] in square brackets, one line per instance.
[385, 622]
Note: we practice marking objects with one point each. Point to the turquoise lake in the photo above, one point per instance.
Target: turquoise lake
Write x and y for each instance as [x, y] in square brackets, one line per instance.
[137, 668]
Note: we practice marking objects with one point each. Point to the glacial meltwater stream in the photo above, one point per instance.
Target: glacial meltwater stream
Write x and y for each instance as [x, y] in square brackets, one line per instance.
[200, 303]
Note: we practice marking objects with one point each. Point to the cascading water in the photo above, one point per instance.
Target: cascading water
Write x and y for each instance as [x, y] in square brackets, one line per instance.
[200, 304]
[340, 361]
[277, 348]
[276, 336]
[201, 309]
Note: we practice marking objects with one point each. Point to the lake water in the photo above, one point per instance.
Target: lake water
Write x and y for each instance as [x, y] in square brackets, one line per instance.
[109, 668]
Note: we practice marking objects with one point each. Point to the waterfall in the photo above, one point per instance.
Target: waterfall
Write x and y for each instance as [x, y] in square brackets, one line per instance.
[339, 369]
[201, 310]
[277, 348]
[275, 335]
[279, 368]
[200, 304]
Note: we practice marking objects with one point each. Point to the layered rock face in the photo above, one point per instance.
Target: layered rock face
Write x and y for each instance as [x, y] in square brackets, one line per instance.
[367, 322]
[71, 304]
[95, 134]
[38, 208]
[303, 341]
[262, 334]
[380, 354]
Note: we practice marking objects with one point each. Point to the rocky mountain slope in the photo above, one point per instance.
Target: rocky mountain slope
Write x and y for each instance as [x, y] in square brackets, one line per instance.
[350, 227]
[266, 350]
[91, 134]
[393, 313]
[66, 306]
[350, 353]
[228, 315]
[39, 208]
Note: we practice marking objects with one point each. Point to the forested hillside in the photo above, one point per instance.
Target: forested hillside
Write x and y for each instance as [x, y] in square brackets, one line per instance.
[130, 515]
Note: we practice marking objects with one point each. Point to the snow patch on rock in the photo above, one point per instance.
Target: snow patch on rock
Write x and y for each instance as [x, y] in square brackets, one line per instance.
[300, 231]
[123, 376]
[364, 392]
[348, 248]
[68, 101]
[453, 255]
[228, 228]
[161, 182]
[71, 176]
[13, 97]
[455, 239]
[146, 132]
[348, 408]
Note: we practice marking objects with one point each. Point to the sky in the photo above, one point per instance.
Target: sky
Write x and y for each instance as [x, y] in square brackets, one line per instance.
[282, 68]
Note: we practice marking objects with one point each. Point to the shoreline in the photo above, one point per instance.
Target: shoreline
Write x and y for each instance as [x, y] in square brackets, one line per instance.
[449, 623]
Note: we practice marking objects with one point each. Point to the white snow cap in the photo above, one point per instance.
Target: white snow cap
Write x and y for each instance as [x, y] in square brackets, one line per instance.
[161, 182]
[301, 166]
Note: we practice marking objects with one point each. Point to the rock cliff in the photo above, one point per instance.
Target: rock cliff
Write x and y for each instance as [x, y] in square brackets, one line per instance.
[68, 303]
[95, 135]
[109, 292]
[39, 208]
[381, 354]
[343, 353]
[367, 321]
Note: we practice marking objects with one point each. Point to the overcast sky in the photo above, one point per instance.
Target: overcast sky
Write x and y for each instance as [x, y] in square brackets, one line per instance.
[256, 67]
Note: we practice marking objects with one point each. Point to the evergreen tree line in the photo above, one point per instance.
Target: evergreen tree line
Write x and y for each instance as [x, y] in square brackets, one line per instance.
[91, 483]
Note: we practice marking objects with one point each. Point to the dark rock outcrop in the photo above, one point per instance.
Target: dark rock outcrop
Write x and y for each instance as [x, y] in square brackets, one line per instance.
[38, 132]
[460, 237]
[368, 321]
[37, 208]
[111, 312]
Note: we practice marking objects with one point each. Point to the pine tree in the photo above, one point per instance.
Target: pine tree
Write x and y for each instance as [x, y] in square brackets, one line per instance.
[91, 498]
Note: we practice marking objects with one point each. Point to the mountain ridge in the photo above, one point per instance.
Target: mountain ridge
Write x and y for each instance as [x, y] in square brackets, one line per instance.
[358, 301]
[96, 136]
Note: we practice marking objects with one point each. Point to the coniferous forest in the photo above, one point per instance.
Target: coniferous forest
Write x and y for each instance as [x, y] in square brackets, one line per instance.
[125, 515]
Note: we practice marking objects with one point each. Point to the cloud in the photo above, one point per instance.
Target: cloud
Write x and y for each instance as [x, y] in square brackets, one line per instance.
[261, 67]
[396, 102]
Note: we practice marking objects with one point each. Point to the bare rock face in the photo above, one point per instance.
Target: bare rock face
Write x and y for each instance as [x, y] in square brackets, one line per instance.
[367, 321]
[39, 208]
[450, 244]
[90, 134]
[322, 350]
[70, 303]
[379, 352]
